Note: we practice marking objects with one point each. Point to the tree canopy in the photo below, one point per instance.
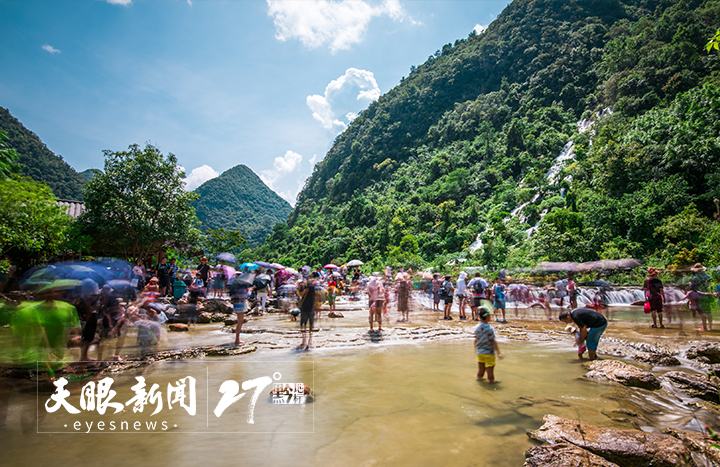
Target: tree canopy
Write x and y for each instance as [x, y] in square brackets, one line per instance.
[138, 205]
[31, 222]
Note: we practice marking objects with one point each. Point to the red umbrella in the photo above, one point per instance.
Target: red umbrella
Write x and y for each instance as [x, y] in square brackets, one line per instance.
[331, 266]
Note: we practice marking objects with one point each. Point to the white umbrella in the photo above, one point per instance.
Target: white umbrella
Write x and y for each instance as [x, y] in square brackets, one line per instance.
[291, 270]
[277, 266]
[355, 262]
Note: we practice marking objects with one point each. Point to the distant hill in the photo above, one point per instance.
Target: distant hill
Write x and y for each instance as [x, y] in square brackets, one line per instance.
[39, 162]
[89, 174]
[238, 200]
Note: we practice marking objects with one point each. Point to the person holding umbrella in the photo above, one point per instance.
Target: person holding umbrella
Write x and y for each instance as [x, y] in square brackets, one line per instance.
[204, 269]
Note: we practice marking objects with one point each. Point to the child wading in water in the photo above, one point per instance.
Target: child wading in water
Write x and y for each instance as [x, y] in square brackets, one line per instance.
[486, 347]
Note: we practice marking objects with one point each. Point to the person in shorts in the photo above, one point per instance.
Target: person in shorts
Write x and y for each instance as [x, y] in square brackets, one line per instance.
[448, 296]
[461, 294]
[693, 297]
[477, 287]
[591, 325]
[486, 347]
[655, 296]
[307, 314]
[239, 291]
[499, 299]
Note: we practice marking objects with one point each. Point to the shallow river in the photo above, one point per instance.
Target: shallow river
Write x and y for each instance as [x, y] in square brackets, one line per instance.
[396, 404]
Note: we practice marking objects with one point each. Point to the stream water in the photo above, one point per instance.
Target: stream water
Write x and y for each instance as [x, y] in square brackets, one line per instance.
[385, 403]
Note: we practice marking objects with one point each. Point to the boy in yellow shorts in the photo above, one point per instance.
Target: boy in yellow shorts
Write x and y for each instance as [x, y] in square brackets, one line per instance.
[486, 347]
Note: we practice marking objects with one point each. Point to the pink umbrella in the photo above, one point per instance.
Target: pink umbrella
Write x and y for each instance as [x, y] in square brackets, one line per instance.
[331, 266]
[229, 272]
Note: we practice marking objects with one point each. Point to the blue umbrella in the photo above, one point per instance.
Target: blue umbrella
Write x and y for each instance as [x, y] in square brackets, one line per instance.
[227, 257]
[250, 266]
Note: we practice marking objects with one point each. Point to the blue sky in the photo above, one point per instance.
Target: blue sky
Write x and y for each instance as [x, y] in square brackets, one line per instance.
[268, 84]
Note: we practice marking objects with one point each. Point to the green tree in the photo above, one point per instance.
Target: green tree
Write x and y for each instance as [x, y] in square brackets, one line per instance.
[8, 157]
[216, 241]
[139, 205]
[31, 222]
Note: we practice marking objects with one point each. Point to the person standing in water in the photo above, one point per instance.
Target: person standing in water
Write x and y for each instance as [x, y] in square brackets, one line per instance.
[486, 347]
[307, 314]
[376, 302]
[448, 295]
[499, 299]
[402, 289]
[461, 294]
[655, 296]
[591, 325]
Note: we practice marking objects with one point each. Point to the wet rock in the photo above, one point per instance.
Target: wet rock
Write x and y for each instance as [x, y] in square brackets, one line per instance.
[224, 306]
[218, 317]
[335, 314]
[626, 448]
[622, 373]
[563, 455]
[204, 317]
[709, 350]
[699, 446]
[231, 320]
[178, 327]
[703, 387]
[657, 359]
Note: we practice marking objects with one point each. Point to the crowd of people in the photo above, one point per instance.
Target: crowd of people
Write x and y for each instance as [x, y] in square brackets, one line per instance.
[84, 312]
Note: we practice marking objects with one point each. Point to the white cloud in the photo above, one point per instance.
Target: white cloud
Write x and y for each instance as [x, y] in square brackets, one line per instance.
[479, 28]
[198, 176]
[339, 23]
[313, 159]
[356, 88]
[119, 2]
[50, 48]
[283, 165]
[287, 163]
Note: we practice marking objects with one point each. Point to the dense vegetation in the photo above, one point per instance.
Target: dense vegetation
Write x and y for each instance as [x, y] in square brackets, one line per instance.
[239, 201]
[462, 149]
[129, 214]
[38, 162]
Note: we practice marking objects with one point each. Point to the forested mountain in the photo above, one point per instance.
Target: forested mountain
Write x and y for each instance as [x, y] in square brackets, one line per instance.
[38, 162]
[238, 200]
[89, 174]
[462, 157]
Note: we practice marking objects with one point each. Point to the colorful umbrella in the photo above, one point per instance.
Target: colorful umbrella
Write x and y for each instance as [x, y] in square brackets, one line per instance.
[277, 266]
[263, 264]
[331, 266]
[227, 257]
[249, 266]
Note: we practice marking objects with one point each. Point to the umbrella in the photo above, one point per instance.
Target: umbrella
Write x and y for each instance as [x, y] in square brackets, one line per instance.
[229, 272]
[263, 279]
[277, 266]
[355, 262]
[227, 257]
[246, 279]
[291, 270]
[249, 266]
[263, 264]
[62, 284]
[331, 266]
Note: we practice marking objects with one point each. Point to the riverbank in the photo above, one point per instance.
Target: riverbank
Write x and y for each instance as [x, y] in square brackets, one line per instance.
[409, 392]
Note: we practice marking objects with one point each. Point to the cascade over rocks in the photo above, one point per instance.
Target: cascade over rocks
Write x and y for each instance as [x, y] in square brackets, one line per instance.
[622, 373]
[703, 387]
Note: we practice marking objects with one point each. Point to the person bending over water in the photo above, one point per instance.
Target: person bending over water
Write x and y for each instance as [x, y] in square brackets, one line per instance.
[486, 347]
[591, 325]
